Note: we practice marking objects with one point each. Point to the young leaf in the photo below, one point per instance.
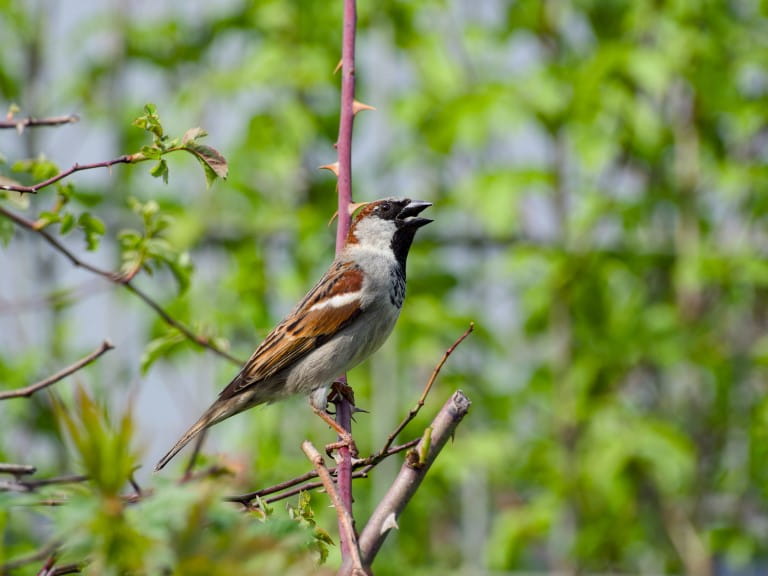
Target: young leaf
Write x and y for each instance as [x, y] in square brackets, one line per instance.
[213, 163]
[150, 121]
[159, 348]
[160, 170]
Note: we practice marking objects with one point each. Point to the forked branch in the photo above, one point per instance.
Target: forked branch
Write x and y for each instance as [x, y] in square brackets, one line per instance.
[412, 473]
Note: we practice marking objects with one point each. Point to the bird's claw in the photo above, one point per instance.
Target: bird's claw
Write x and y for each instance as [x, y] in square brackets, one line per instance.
[341, 390]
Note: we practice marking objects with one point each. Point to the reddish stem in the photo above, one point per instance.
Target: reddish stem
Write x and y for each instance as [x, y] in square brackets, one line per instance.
[344, 143]
[344, 408]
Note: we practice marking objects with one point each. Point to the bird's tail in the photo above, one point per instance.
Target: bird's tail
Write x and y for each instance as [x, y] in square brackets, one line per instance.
[216, 413]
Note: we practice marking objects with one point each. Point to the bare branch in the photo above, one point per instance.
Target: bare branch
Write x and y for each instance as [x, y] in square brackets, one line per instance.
[420, 404]
[308, 487]
[366, 463]
[27, 391]
[198, 339]
[120, 280]
[413, 471]
[17, 469]
[21, 123]
[124, 159]
[41, 554]
[32, 485]
[345, 518]
[66, 569]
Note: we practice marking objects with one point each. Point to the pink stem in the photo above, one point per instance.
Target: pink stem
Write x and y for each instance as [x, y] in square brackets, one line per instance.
[344, 143]
[344, 146]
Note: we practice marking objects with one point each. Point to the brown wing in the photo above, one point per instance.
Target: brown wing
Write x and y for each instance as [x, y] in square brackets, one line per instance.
[332, 304]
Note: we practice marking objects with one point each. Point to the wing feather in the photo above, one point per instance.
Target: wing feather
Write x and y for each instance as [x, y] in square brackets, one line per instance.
[332, 303]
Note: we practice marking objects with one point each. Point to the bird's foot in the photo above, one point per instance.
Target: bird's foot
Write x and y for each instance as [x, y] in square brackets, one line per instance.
[341, 390]
[345, 437]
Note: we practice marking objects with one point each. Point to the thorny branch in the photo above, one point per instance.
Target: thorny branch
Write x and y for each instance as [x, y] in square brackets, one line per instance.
[27, 391]
[345, 408]
[120, 280]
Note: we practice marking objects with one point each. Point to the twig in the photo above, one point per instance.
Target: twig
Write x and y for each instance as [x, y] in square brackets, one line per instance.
[413, 471]
[27, 391]
[345, 518]
[307, 487]
[29, 225]
[31, 122]
[41, 554]
[48, 566]
[195, 453]
[198, 339]
[67, 569]
[66, 479]
[17, 469]
[124, 159]
[32, 485]
[366, 463]
[420, 404]
[120, 280]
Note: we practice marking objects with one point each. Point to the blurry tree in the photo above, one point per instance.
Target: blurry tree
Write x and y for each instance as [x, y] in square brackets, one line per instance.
[598, 171]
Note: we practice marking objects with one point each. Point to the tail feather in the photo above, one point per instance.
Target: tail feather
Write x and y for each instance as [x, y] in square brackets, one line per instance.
[214, 414]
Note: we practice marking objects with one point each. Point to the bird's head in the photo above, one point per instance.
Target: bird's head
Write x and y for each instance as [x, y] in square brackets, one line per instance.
[388, 224]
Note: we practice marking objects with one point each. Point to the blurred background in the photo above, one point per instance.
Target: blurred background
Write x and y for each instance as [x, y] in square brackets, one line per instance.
[598, 172]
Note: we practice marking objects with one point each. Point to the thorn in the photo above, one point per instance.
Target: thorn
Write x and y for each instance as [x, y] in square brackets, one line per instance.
[334, 167]
[354, 207]
[355, 410]
[359, 107]
[389, 523]
[338, 67]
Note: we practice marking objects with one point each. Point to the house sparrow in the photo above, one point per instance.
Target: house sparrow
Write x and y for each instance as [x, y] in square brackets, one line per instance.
[344, 319]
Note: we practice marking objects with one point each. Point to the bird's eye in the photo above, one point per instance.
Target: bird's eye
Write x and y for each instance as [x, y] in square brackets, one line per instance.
[385, 207]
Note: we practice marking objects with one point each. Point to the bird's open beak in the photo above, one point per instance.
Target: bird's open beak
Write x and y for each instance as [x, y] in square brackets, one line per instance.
[410, 214]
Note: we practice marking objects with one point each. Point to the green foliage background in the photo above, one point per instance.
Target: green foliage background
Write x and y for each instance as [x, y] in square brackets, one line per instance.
[599, 175]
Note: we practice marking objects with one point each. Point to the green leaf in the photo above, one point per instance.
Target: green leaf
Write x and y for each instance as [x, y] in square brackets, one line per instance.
[213, 163]
[160, 170]
[159, 348]
[181, 268]
[152, 152]
[45, 219]
[150, 121]
[93, 228]
[103, 446]
[68, 222]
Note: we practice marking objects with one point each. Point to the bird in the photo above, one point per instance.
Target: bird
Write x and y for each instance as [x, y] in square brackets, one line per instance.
[341, 321]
